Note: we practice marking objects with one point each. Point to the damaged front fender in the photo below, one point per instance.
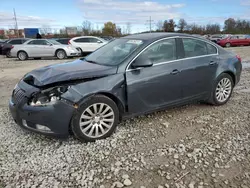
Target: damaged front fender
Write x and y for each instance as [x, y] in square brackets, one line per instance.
[111, 85]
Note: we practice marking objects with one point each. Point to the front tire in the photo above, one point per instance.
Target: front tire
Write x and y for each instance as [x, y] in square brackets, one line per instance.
[228, 45]
[222, 90]
[60, 54]
[96, 119]
[22, 56]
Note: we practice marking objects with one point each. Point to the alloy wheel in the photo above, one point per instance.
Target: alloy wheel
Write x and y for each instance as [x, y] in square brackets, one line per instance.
[22, 55]
[97, 120]
[223, 90]
[60, 54]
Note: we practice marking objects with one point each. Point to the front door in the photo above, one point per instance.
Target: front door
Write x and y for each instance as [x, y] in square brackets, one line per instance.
[153, 87]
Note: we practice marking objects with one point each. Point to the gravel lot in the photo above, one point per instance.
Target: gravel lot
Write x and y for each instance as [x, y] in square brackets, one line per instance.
[192, 146]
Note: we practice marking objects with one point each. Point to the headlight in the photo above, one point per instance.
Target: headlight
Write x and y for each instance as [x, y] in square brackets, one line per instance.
[48, 96]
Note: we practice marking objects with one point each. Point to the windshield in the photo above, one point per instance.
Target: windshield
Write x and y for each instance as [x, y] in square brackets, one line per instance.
[54, 42]
[115, 52]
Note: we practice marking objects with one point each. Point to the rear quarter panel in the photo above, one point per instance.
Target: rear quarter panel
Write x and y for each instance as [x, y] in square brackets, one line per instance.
[229, 63]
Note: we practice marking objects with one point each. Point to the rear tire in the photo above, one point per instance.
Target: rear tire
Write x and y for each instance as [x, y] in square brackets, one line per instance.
[8, 54]
[222, 90]
[95, 119]
[61, 54]
[22, 55]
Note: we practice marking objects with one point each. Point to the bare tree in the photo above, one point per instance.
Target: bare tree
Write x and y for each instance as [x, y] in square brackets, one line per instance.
[45, 29]
[86, 27]
[182, 25]
[128, 28]
[159, 25]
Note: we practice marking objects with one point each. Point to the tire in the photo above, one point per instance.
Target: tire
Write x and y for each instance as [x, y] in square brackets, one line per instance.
[217, 90]
[61, 54]
[8, 54]
[22, 55]
[92, 122]
[228, 45]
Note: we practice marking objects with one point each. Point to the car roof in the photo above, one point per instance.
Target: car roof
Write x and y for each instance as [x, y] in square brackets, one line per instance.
[155, 36]
[85, 37]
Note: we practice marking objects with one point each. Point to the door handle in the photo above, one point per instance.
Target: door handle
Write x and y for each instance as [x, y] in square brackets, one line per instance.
[212, 63]
[175, 71]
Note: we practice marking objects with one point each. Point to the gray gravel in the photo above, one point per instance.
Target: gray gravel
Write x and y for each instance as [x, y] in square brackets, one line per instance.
[191, 146]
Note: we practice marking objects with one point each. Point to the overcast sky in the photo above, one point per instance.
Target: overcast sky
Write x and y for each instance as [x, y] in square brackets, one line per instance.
[60, 13]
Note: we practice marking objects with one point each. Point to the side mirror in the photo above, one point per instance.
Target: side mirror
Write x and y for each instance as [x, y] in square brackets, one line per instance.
[50, 44]
[99, 41]
[142, 61]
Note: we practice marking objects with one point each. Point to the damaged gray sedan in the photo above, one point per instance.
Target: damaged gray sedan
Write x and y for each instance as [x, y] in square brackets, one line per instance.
[129, 76]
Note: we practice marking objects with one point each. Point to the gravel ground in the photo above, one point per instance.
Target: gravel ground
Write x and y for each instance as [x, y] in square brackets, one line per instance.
[191, 146]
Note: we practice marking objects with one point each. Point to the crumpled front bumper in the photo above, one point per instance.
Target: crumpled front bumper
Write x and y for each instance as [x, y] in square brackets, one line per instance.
[55, 118]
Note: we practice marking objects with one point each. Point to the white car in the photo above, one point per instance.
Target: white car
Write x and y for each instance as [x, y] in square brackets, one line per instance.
[87, 44]
[38, 48]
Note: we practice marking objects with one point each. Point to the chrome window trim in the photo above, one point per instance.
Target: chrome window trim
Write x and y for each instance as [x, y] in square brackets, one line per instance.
[175, 37]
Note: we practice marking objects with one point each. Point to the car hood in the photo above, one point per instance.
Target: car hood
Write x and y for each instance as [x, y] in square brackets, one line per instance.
[75, 70]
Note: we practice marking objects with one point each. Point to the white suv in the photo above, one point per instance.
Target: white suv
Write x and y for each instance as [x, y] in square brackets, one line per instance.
[87, 43]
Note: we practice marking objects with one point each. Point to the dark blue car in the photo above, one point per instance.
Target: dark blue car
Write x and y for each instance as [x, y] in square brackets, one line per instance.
[129, 76]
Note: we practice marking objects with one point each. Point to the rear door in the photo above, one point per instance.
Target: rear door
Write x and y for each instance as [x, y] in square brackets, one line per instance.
[83, 43]
[154, 87]
[198, 68]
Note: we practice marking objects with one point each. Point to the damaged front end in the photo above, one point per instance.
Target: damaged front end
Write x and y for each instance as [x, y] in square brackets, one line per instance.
[48, 96]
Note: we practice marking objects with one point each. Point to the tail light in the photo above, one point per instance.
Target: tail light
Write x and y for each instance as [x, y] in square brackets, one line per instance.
[69, 43]
[12, 47]
[239, 58]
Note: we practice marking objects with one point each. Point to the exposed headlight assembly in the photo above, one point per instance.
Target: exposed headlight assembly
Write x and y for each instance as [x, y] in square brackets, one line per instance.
[48, 96]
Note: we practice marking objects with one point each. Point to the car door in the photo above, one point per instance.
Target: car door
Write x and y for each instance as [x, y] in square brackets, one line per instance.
[83, 43]
[199, 66]
[236, 41]
[153, 87]
[95, 43]
[47, 48]
[30, 48]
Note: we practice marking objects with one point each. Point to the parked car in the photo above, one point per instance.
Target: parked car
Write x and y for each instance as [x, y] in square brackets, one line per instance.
[1, 46]
[133, 75]
[236, 40]
[107, 38]
[38, 48]
[6, 47]
[217, 38]
[87, 44]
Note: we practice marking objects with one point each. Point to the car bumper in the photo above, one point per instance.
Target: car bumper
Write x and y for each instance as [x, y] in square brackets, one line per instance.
[51, 120]
[73, 53]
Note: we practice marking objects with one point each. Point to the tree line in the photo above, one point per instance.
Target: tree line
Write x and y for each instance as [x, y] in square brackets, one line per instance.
[231, 26]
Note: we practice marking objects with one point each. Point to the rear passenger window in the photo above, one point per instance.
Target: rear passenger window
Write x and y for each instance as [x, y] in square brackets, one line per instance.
[18, 41]
[193, 47]
[82, 40]
[211, 49]
[162, 51]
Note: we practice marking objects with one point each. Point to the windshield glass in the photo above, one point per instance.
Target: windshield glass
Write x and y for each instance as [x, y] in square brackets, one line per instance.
[115, 52]
[54, 42]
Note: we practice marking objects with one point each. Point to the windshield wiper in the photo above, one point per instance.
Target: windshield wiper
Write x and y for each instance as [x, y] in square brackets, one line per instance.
[90, 61]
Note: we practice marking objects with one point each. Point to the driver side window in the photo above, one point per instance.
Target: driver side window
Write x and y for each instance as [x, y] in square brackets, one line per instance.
[161, 51]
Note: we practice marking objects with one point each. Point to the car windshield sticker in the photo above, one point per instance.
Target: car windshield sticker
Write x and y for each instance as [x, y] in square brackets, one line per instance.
[135, 41]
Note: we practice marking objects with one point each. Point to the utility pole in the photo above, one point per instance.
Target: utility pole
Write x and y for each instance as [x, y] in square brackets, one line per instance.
[150, 23]
[16, 23]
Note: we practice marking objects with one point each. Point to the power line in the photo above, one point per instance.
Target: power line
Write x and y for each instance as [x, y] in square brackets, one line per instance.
[16, 22]
[150, 21]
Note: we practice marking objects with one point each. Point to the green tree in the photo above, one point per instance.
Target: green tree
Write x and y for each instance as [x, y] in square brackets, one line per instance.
[109, 29]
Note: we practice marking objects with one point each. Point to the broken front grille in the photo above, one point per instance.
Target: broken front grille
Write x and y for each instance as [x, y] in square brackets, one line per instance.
[18, 95]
